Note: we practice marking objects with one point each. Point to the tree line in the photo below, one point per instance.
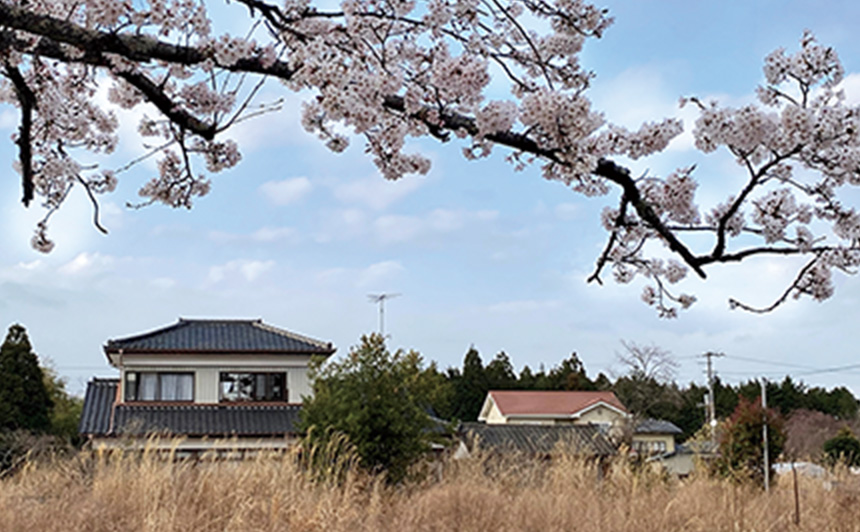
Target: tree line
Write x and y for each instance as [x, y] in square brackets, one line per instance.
[647, 388]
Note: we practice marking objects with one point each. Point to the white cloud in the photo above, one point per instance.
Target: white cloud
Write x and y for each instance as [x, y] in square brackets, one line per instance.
[395, 228]
[851, 85]
[376, 192]
[249, 270]
[286, 191]
[567, 211]
[8, 120]
[87, 263]
[164, 283]
[272, 234]
[525, 306]
[263, 235]
[379, 274]
[341, 224]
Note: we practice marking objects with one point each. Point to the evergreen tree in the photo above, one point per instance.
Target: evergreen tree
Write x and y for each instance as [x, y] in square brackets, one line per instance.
[500, 373]
[470, 388]
[378, 401]
[570, 375]
[24, 401]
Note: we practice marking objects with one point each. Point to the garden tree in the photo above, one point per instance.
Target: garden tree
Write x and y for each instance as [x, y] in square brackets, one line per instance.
[843, 448]
[741, 441]
[25, 403]
[385, 71]
[376, 399]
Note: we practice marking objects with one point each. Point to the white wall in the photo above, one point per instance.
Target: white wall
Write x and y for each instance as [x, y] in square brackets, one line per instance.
[207, 369]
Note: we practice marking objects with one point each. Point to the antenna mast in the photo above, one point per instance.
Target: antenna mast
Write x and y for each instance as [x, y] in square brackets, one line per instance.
[380, 300]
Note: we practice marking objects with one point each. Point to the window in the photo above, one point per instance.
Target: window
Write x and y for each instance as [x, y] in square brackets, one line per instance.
[650, 447]
[152, 386]
[253, 386]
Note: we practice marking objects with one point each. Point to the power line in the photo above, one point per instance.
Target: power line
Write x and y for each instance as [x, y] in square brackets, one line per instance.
[770, 362]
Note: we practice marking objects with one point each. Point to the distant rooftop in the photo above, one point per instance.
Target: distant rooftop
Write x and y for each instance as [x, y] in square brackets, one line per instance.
[537, 439]
[562, 403]
[219, 336]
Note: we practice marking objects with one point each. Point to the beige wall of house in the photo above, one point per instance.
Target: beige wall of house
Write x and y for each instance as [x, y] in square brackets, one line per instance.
[601, 415]
[490, 413]
[207, 369]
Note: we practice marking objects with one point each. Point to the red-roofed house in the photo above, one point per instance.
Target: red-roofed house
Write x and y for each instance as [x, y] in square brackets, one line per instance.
[600, 408]
[552, 407]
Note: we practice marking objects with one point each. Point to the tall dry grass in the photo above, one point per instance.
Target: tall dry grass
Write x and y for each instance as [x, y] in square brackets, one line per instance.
[118, 492]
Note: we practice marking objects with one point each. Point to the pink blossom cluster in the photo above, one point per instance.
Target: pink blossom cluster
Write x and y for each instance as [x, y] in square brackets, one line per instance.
[382, 71]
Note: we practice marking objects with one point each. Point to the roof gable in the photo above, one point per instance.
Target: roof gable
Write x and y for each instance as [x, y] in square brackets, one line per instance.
[552, 403]
[219, 336]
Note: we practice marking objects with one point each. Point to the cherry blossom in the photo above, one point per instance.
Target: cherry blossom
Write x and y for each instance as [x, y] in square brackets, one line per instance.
[388, 70]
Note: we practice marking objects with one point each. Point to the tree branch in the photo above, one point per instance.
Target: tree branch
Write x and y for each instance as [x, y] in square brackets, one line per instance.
[25, 153]
[134, 47]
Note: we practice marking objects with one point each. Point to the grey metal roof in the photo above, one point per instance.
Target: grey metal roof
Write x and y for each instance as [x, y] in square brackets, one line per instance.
[224, 336]
[657, 426]
[98, 403]
[206, 420]
[537, 439]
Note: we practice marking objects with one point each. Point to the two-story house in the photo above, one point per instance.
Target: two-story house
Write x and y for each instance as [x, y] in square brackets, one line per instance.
[215, 383]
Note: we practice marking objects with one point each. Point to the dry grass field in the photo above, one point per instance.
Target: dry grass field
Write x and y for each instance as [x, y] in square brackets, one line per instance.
[110, 492]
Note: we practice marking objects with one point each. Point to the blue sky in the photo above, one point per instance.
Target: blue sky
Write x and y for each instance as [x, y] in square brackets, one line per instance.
[481, 254]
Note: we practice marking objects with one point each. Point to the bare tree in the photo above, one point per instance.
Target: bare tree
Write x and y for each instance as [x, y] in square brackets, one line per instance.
[647, 362]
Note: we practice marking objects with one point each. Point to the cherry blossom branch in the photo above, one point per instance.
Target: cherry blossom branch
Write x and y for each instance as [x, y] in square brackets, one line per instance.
[27, 100]
[95, 202]
[734, 303]
[604, 257]
[136, 47]
[621, 176]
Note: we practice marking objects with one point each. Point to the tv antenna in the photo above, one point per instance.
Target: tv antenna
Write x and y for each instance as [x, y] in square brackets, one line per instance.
[380, 300]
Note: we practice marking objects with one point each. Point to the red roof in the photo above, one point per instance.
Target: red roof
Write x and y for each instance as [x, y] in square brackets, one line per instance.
[514, 402]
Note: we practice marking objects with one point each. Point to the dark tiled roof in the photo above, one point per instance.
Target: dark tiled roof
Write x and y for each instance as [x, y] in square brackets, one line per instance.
[98, 403]
[206, 420]
[226, 336]
[537, 439]
[181, 419]
[657, 426]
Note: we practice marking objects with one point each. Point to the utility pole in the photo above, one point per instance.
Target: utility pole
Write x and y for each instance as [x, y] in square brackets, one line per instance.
[380, 299]
[712, 411]
[764, 434]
